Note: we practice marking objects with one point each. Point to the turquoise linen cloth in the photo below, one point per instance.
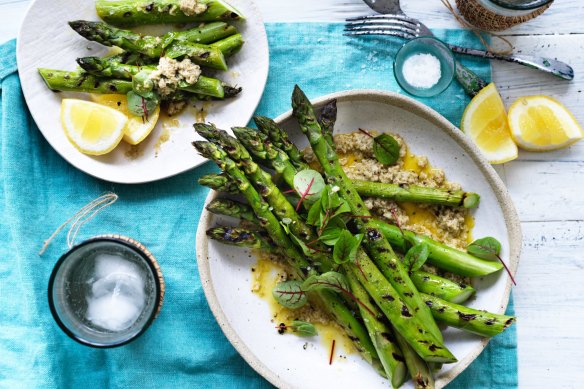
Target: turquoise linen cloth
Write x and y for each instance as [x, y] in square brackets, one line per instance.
[184, 347]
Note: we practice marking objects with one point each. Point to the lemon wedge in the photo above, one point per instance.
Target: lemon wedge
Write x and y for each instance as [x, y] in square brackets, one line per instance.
[92, 128]
[136, 129]
[540, 123]
[484, 120]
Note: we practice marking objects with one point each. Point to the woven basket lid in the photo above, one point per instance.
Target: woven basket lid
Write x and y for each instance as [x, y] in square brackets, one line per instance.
[485, 19]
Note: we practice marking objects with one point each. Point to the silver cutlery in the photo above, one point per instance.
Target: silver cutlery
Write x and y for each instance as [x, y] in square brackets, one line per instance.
[394, 22]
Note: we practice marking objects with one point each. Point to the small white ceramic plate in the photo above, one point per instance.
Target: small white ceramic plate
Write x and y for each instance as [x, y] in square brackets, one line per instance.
[245, 318]
[46, 41]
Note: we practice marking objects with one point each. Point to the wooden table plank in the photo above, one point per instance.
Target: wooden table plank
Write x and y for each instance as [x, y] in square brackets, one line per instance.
[546, 190]
[559, 19]
[11, 15]
[549, 300]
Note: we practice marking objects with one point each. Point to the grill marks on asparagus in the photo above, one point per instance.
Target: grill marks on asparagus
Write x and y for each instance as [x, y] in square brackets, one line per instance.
[377, 246]
[332, 303]
[389, 300]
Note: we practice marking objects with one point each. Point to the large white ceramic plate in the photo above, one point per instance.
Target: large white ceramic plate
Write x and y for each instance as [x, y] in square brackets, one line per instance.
[245, 318]
[46, 41]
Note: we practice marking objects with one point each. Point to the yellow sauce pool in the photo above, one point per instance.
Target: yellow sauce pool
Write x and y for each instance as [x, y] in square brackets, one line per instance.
[265, 276]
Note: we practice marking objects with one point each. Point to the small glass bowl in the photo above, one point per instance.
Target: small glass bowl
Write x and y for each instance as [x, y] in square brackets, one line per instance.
[105, 264]
[425, 45]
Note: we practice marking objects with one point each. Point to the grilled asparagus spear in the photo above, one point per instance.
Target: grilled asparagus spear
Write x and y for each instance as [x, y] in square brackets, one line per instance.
[99, 67]
[127, 13]
[331, 302]
[151, 46]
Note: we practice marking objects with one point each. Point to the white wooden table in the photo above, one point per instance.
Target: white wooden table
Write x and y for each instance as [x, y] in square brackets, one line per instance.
[545, 187]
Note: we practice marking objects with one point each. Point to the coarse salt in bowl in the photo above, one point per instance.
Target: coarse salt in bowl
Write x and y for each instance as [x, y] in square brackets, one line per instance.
[424, 67]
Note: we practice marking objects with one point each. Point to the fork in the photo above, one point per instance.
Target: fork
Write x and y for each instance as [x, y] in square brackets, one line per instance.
[394, 22]
[470, 82]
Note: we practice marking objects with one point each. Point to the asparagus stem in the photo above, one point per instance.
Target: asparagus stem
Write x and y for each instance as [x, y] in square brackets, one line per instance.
[150, 46]
[279, 138]
[327, 119]
[330, 301]
[448, 312]
[60, 80]
[417, 194]
[441, 287]
[232, 208]
[130, 58]
[425, 282]
[260, 207]
[405, 320]
[375, 243]
[380, 334]
[261, 180]
[220, 183]
[128, 13]
[107, 35]
[207, 33]
[442, 256]
[241, 237]
[468, 319]
[260, 146]
[419, 370]
[284, 210]
[204, 55]
[230, 45]
[206, 86]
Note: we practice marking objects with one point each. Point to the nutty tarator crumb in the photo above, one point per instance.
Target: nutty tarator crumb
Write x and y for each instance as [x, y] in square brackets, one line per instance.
[175, 107]
[357, 158]
[192, 7]
[170, 73]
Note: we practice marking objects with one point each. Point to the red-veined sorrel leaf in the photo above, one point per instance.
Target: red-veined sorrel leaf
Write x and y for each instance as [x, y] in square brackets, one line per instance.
[290, 294]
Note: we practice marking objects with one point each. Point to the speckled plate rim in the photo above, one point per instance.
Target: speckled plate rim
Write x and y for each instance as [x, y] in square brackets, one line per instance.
[509, 213]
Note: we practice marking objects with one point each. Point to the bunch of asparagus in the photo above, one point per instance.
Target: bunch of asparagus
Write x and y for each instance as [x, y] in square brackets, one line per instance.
[130, 72]
[388, 308]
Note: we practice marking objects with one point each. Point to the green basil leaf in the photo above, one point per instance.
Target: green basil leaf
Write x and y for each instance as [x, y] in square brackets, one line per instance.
[314, 213]
[330, 235]
[290, 294]
[305, 249]
[337, 221]
[325, 198]
[342, 208]
[487, 248]
[386, 149]
[309, 184]
[304, 328]
[416, 257]
[346, 247]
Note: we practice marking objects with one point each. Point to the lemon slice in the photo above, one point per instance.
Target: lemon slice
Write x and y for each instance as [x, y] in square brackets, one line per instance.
[540, 123]
[136, 129]
[92, 128]
[484, 120]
